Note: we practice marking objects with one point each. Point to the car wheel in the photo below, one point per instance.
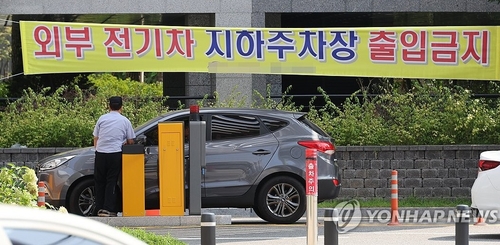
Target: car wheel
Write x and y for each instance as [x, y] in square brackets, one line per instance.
[256, 211]
[281, 200]
[82, 198]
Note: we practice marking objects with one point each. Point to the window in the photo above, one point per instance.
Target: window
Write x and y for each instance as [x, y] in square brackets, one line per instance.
[234, 126]
[273, 124]
[152, 133]
[313, 126]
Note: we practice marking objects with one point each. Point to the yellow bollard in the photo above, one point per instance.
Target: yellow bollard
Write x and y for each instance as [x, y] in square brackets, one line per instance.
[133, 186]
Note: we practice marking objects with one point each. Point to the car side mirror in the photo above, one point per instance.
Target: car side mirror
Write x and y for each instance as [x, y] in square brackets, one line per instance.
[141, 139]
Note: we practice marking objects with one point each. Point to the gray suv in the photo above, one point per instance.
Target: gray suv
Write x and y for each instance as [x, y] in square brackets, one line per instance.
[261, 154]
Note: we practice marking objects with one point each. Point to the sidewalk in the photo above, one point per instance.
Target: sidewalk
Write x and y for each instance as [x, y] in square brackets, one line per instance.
[227, 216]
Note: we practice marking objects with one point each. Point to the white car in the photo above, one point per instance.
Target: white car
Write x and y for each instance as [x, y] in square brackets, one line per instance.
[485, 192]
[33, 226]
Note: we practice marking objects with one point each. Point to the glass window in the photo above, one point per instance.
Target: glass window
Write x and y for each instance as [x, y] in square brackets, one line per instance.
[39, 237]
[313, 126]
[273, 124]
[234, 126]
[152, 133]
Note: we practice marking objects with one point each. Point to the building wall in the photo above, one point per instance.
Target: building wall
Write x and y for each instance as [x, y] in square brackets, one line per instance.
[432, 171]
[240, 8]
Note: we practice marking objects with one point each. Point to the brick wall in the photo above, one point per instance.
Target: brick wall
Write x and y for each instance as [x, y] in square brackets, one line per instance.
[424, 171]
[28, 156]
[445, 171]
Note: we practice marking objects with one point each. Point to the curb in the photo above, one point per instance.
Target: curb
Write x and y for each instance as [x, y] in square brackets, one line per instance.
[227, 216]
[149, 221]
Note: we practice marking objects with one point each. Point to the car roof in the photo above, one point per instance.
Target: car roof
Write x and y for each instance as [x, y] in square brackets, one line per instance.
[251, 111]
[33, 218]
[244, 110]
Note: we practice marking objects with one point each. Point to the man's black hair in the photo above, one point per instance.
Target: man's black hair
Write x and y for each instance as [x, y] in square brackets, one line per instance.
[115, 103]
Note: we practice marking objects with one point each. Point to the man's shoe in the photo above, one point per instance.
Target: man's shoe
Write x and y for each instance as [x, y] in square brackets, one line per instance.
[105, 213]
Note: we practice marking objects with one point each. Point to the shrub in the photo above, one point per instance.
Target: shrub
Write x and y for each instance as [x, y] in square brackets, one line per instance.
[18, 185]
[428, 114]
[418, 113]
[108, 85]
[66, 118]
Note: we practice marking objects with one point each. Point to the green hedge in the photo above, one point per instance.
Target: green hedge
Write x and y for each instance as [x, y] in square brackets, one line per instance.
[66, 118]
[425, 113]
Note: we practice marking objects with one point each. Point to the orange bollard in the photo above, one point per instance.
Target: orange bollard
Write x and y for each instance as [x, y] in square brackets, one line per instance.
[394, 198]
[480, 221]
[41, 194]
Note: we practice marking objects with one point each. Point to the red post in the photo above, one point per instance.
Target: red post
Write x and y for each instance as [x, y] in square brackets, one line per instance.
[311, 173]
[41, 194]
[312, 196]
[394, 198]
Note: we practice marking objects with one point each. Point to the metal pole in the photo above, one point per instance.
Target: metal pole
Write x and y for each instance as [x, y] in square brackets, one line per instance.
[312, 196]
[208, 229]
[330, 229]
[462, 225]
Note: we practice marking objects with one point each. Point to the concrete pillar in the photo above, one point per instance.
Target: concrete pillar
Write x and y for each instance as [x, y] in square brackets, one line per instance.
[274, 21]
[174, 83]
[197, 83]
[242, 86]
[228, 84]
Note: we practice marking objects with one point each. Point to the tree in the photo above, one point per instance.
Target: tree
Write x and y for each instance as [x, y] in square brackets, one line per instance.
[5, 50]
[20, 83]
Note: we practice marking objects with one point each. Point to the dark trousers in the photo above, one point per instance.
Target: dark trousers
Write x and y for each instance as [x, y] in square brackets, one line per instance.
[107, 171]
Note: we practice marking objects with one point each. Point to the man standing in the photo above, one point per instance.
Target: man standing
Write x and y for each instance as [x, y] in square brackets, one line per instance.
[111, 132]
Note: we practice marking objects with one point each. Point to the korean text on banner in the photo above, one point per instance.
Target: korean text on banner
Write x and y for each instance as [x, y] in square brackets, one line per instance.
[458, 52]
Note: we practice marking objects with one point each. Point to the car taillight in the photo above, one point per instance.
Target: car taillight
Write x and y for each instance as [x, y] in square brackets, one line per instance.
[323, 146]
[487, 165]
[336, 182]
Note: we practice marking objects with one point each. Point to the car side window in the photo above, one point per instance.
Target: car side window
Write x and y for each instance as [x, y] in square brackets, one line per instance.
[152, 133]
[29, 236]
[152, 136]
[228, 126]
[273, 124]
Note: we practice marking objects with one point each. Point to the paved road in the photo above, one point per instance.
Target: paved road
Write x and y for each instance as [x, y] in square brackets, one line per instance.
[252, 231]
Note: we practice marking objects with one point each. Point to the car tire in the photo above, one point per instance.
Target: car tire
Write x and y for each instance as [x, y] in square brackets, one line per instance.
[256, 211]
[281, 200]
[82, 199]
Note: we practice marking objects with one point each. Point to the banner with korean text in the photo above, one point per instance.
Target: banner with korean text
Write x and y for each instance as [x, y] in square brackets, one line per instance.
[451, 52]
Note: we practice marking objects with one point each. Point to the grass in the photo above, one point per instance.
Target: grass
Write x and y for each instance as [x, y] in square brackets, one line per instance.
[402, 202]
[151, 238]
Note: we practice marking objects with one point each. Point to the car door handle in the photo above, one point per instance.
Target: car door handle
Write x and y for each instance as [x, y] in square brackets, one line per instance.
[261, 152]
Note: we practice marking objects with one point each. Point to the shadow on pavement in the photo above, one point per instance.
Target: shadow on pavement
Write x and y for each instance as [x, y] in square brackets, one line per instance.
[472, 238]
